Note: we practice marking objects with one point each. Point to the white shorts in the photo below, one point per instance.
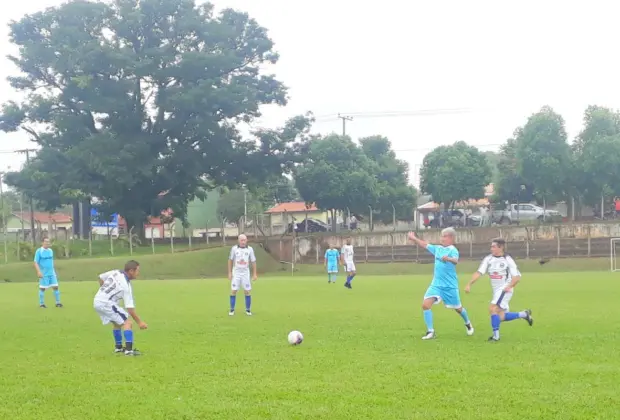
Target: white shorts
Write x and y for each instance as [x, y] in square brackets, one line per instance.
[109, 312]
[239, 281]
[349, 266]
[502, 299]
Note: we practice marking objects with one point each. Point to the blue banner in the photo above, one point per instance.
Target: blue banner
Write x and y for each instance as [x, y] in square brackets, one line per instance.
[96, 221]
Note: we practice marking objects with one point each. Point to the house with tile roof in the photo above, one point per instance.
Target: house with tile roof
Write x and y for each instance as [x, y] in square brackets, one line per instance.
[43, 222]
[282, 214]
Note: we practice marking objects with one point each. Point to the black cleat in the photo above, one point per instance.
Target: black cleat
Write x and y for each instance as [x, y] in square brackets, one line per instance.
[59, 305]
[529, 318]
[43, 306]
[493, 340]
[348, 285]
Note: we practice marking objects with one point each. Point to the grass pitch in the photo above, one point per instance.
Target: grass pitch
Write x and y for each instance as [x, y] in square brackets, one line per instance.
[362, 357]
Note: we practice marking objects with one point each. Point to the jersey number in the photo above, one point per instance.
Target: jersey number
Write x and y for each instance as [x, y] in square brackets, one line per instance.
[108, 286]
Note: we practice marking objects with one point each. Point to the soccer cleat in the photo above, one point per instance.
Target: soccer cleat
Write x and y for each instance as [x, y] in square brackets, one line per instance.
[248, 312]
[59, 305]
[348, 285]
[231, 312]
[529, 318]
[470, 329]
[119, 350]
[134, 352]
[493, 339]
[43, 306]
[429, 335]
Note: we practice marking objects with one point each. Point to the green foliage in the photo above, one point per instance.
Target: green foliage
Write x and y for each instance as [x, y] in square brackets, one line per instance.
[509, 185]
[392, 177]
[455, 173]
[597, 155]
[543, 155]
[137, 103]
[277, 190]
[232, 205]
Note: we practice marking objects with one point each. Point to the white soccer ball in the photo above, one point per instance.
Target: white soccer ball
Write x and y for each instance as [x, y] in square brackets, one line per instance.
[295, 338]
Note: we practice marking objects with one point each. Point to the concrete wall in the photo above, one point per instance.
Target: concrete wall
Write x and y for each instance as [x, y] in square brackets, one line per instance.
[571, 240]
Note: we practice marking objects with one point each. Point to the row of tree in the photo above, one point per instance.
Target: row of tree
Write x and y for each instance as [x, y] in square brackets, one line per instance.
[537, 163]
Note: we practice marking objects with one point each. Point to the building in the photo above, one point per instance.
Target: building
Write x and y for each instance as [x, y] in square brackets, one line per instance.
[282, 214]
[53, 224]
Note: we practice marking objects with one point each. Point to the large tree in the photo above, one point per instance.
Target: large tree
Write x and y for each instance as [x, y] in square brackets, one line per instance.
[454, 173]
[395, 194]
[136, 102]
[597, 155]
[233, 204]
[544, 156]
[337, 176]
[509, 185]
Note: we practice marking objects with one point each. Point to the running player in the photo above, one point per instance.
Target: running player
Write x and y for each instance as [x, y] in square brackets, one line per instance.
[445, 284]
[44, 264]
[113, 286]
[331, 263]
[241, 256]
[504, 275]
[347, 254]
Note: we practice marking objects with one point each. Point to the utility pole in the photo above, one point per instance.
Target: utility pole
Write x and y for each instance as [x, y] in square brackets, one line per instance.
[32, 227]
[4, 220]
[344, 119]
[245, 208]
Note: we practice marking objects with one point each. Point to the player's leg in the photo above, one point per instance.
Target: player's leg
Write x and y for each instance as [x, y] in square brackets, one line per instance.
[234, 288]
[53, 283]
[452, 300]
[118, 338]
[130, 349]
[497, 309]
[350, 273]
[511, 316]
[247, 291]
[43, 284]
[431, 297]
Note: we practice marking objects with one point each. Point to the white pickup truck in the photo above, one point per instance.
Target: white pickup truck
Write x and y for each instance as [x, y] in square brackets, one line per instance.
[526, 213]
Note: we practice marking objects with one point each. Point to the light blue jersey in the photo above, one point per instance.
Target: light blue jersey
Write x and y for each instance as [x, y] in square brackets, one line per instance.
[444, 276]
[45, 260]
[331, 258]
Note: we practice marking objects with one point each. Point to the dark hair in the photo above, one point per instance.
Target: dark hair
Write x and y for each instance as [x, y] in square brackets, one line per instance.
[131, 265]
[500, 242]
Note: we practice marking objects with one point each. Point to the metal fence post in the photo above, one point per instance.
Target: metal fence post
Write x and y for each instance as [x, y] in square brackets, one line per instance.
[392, 237]
[557, 235]
[171, 230]
[589, 242]
[471, 244]
[131, 240]
[366, 248]
[153, 239]
[527, 243]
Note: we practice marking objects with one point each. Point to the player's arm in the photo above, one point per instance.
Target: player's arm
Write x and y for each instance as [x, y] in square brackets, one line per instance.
[515, 275]
[325, 258]
[231, 258]
[253, 261]
[419, 242]
[452, 257]
[482, 269]
[131, 309]
[37, 260]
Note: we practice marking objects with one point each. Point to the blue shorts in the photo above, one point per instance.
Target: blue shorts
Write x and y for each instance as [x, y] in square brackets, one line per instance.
[332, 268]
[48, 281]
[450, 297]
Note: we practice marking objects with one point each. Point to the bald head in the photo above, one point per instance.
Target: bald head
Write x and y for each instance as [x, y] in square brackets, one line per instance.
[243, 240]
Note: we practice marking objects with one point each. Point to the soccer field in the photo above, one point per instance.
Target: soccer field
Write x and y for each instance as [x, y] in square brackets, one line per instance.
[362, 357]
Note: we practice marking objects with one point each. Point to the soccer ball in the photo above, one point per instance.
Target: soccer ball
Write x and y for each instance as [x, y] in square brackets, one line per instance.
[295, 338]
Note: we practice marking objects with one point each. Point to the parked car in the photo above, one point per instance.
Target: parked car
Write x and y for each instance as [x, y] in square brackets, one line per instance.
[516, 213]
[452, 218]
[313, 225]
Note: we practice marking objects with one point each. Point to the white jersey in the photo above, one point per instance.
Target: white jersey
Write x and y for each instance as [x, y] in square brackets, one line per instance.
[347, 253]
[501, 270]
[241, 258]
[116, 286]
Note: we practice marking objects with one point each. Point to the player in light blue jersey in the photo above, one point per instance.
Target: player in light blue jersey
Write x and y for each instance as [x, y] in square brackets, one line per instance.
[332, 256]
[445, 284]
[44, 264]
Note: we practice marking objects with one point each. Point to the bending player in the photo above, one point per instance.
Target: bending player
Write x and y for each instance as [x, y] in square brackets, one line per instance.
[347, 261]
[445, 284]
[504, 275]
[113, 286]
[241, 256]
[331, 263]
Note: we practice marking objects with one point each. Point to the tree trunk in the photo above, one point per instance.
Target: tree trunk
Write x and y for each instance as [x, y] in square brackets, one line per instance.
[137, 223]
[334, 221]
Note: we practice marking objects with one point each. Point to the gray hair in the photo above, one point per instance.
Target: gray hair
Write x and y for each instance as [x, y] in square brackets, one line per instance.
[242, 236]
[449, 232]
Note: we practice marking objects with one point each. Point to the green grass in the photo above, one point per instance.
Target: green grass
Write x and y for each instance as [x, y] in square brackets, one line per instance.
[362, 357]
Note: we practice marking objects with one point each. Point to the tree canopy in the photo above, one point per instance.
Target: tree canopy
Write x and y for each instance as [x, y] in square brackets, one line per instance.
[138, 103]
[455, 173]
[232, 205]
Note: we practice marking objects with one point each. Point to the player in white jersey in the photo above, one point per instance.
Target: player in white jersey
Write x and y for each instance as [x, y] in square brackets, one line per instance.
[347, 255]
[239, 261]
[115, 286]
[504, 275]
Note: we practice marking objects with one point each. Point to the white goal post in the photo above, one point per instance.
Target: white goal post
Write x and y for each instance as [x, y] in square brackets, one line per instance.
[613, 253]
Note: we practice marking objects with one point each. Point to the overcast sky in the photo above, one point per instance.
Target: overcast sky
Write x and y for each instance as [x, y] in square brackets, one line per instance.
[495, 61]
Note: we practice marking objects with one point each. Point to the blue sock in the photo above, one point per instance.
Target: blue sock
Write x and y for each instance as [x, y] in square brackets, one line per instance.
[351, 277]
[428, 320]
[118, 337]
[128, 338]
[464, 316]
[233, 302]
[57, 295]
[248, 302]
[495, 321]
[41, 297]
[510, 316]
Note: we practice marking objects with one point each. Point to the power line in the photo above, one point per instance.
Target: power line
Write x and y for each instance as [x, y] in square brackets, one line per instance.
[344, 119]
[392, 114]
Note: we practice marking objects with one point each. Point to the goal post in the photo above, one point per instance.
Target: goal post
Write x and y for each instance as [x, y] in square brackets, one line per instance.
[614, 251]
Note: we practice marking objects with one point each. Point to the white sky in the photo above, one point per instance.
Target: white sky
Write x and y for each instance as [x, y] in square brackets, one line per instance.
[500, 60]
